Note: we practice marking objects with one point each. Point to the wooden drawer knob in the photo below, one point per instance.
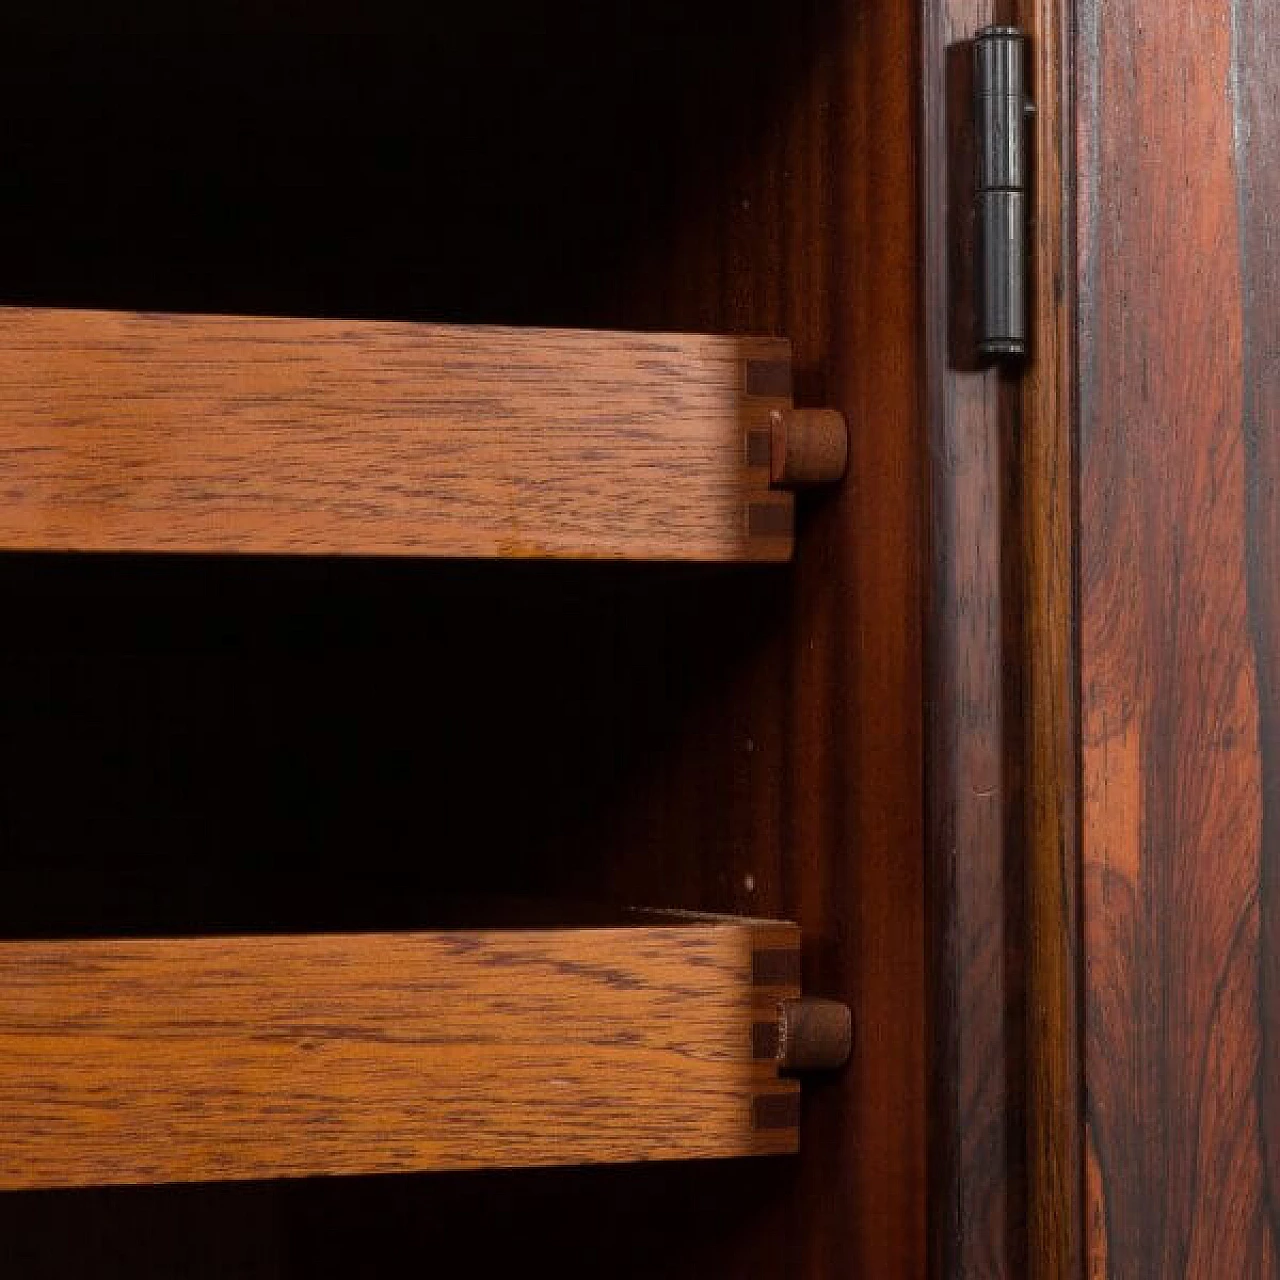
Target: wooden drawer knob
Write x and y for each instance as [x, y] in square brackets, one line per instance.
[814, 1035]
[808, 447]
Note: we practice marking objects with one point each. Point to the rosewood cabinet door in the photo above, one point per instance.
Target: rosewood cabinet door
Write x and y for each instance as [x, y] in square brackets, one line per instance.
[1103, 636]
[1179, 636]
[1105, 654]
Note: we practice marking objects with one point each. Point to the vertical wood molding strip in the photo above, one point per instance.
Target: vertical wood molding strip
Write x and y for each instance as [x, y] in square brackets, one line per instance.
[976, 1175]
[221, 1059]
[143, 433]
[1045, 447]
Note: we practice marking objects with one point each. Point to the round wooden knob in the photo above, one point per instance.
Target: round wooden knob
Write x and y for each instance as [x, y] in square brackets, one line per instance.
[808, 447]
[814, 1035]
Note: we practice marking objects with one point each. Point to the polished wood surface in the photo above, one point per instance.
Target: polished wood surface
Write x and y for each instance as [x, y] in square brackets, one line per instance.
[806, 221]
[814, 1035]
[217, 1059]
[852, 868]
[977, 1133]
[808, 447]
[855, 867]
[1256, 114]
[1179, 643]
[129, 432]
[1043, 649]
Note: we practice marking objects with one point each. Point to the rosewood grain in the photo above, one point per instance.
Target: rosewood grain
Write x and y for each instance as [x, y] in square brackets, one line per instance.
[1046, 659]
[1178, 560]
[1256, 105]
[142, 433]
[223, 1059]
[977, 1085]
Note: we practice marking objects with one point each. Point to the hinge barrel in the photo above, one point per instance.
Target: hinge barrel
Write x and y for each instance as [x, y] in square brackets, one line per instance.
[1001, 110]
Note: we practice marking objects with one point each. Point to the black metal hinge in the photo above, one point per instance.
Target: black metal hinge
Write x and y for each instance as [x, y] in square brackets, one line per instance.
[1001, 114]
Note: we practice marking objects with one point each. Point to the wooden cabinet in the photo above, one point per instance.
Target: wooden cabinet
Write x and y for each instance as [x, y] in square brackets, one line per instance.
[342, 720]
[472, 585]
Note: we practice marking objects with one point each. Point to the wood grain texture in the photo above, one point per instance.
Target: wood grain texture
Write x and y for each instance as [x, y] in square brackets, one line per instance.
[742, 742]
[1178, 152]
[807, 223]
[855, 776]
[1256, 105]
[977, 1185]
[129, 432]
[218, 1059]
[809, 447]
[1045, 445]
